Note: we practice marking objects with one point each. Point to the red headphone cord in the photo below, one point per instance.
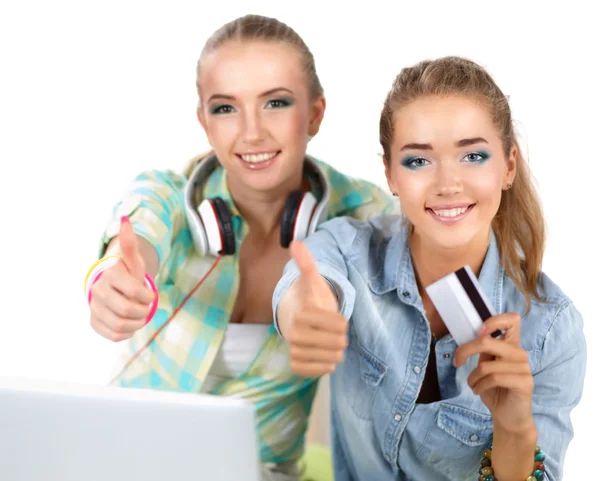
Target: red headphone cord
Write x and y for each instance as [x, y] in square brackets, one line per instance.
[159, 330]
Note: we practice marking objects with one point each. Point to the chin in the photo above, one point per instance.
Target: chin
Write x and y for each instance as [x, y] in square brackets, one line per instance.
[263, 183]
[463, 238]
[448, 238]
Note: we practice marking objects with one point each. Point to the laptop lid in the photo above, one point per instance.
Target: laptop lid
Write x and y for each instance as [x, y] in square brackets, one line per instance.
[71, 432]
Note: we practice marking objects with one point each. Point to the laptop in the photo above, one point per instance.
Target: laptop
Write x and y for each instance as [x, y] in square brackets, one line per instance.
[55, 431]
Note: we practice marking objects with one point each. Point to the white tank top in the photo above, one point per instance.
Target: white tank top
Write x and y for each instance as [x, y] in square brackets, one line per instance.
[240, 347]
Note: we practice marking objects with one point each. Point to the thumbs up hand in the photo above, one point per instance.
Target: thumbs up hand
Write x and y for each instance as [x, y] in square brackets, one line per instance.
[317, 334]
[120, 298]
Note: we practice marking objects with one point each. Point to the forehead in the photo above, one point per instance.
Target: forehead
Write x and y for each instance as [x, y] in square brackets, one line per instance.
[439, 120]
[250, 68]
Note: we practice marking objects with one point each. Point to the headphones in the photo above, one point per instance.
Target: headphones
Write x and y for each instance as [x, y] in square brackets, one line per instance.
[210, 222]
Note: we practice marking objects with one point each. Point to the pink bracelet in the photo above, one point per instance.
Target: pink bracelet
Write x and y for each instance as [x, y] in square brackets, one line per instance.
[96, 272]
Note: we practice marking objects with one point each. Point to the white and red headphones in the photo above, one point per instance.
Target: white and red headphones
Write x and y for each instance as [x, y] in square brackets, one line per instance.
[210, 222]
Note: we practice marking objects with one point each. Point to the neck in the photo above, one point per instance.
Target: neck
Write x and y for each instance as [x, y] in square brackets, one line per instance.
[262, 210]
[431, 262]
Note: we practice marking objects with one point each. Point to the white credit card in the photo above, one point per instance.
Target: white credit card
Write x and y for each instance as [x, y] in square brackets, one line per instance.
[462, 305]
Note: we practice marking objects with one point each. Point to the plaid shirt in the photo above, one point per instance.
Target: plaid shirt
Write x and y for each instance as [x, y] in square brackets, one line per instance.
[180, 358]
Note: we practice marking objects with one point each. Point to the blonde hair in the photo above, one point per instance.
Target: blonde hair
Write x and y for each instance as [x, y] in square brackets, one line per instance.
[264, 29]
[519, 223]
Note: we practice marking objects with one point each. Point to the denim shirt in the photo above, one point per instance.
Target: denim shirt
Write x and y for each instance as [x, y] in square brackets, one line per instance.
[379, 433]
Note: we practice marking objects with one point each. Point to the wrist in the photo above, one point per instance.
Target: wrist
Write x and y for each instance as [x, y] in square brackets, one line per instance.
[511, 465]
[525, 431]
[512, 453]
[95, 272]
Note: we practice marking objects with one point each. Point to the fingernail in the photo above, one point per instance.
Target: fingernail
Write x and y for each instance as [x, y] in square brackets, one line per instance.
[124, 219]
[481, 331]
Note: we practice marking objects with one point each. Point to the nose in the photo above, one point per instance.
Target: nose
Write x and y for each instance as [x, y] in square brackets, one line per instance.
[253, 128]
[448, 180]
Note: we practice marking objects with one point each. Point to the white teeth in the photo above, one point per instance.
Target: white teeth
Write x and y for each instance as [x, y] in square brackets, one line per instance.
[450, 212]
[253, 158]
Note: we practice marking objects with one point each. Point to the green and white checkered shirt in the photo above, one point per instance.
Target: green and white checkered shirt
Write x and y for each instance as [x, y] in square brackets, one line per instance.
[182, 355]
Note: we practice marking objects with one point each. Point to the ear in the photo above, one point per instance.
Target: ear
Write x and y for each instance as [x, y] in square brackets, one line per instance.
[317, 111]
[510, 171]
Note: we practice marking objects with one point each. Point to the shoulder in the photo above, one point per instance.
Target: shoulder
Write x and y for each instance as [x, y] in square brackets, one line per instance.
[553, 314]
[165, 179]
[169, 178]
[354, 197]
[363, 238]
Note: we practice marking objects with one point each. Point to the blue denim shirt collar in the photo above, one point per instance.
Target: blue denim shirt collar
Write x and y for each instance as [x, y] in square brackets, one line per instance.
[402, 277]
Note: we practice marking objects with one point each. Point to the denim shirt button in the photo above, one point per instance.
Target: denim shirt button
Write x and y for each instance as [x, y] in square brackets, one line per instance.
[446, 355]
[406, 294]
[474, 437]
[398, 418]
[417, 369]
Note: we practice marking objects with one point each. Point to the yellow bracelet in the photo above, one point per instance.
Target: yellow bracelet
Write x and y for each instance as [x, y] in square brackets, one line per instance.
[100, 266]
[96, 269]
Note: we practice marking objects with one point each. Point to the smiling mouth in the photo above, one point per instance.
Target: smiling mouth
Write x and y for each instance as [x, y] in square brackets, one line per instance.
[258, 158]
[452, 215]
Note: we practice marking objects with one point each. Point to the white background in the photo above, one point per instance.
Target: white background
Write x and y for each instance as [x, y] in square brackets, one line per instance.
[93, 92]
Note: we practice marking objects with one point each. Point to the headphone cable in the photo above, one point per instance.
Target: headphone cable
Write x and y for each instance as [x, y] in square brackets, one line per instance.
[159, 330]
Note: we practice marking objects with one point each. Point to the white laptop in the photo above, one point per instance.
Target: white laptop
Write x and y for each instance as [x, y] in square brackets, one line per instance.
[70, 432]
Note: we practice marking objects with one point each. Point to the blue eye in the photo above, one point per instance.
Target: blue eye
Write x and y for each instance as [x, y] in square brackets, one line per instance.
[222, 109]
[415, 163]
[279, 103]
[476, 157]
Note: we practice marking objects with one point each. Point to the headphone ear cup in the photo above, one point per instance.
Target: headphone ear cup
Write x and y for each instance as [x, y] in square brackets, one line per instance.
[226, 224]
[288, 219]
[218, 226]
[303, 221]
[197, 230]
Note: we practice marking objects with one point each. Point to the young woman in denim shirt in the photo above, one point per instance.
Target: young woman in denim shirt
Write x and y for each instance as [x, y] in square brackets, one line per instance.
[407, 403]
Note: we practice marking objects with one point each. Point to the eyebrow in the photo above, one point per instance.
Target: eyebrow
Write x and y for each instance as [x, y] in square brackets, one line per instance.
[417, 147]
[460, 143]
[467, 142]
[275, 90]
[264, 94]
